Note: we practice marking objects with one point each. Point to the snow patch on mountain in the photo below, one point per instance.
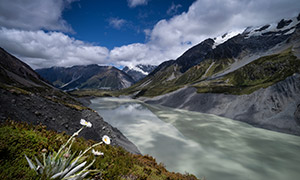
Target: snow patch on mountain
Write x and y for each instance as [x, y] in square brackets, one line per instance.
[138, 69]
[221, 39]
[283, 27]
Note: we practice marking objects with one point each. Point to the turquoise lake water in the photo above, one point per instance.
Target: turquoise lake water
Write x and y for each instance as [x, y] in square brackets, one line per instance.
[205, 145]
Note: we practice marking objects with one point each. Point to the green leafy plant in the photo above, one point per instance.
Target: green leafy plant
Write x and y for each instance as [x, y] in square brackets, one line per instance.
[64, 164]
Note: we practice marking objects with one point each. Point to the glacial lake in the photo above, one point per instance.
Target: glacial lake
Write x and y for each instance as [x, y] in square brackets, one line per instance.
[205, 145]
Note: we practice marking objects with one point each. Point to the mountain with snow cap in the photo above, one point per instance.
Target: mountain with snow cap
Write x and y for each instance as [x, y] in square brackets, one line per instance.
[139, 71]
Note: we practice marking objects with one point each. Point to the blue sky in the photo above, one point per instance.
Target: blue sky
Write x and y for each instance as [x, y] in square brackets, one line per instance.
[46, 33]
[114, 23]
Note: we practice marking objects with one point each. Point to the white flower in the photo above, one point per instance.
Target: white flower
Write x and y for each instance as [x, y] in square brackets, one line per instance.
[97, 153]
[106, 139]
[85, 123]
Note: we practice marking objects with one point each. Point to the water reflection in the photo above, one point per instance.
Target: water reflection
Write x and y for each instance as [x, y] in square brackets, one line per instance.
[203, 144]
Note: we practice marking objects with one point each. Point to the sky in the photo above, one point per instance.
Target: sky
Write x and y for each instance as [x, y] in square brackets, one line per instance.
[46, 33]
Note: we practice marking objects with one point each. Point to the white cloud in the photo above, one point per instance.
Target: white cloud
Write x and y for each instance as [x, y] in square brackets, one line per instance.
[173, 9]
[40, 49]
[134, 3]
[34, 14]
[116, 22]
[133, 54]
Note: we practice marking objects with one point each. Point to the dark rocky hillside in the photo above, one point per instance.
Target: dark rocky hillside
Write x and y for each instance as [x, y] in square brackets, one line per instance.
[24, 96]
[194, 55]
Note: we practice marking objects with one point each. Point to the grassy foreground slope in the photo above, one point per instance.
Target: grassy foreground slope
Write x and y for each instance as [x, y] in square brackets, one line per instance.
[17, 139]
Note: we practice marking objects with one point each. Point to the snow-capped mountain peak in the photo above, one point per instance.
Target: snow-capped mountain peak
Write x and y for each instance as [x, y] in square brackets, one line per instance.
[138, 71]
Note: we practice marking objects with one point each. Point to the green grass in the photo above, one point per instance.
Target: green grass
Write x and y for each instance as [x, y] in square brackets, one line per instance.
[14, 89]
[17, 139]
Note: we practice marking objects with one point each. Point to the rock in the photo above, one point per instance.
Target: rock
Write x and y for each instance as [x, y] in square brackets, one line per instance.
[37, 113]
[283, 23]
[297, 115]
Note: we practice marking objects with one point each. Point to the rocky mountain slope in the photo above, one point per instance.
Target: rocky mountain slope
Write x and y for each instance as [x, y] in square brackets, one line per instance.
[275, 108]
[139, 71]
[214, 75]
[24, 96]
[87, 77]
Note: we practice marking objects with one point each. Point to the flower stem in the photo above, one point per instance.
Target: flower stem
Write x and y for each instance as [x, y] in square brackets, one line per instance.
[64, 145]
[85, 151]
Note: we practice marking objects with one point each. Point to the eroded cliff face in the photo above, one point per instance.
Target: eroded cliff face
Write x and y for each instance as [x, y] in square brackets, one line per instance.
[274, 108]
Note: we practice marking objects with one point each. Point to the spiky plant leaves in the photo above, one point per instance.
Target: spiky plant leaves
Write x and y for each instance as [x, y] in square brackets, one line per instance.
[77, 168]
[31, 165]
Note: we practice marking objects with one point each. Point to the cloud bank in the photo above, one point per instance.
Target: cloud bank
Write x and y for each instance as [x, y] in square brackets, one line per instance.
[168, 39]
[40, 49]
[34, 14]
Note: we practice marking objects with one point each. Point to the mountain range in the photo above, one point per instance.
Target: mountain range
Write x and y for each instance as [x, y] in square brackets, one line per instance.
[94, 76]
[252, 77]
[87, 77]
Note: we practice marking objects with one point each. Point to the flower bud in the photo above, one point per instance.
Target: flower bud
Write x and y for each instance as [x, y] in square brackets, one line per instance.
[66, 155]
[44, 150]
